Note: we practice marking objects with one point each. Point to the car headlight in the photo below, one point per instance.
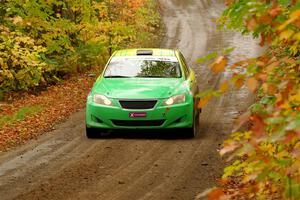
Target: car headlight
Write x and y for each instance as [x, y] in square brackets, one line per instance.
[180, 98]
[101, 99]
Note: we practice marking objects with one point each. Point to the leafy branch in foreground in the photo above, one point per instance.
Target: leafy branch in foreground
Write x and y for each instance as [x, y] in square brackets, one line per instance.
[266, 158]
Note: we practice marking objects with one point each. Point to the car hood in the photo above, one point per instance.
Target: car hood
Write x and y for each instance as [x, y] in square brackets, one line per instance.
[139, 88]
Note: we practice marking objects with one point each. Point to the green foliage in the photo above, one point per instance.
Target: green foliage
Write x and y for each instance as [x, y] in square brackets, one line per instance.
[42, 41]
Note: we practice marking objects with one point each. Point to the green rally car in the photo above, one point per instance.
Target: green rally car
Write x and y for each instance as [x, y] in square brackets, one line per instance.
[144, 89]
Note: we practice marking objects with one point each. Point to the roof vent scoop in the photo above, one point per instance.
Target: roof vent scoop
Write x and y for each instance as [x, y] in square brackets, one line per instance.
[144, 52]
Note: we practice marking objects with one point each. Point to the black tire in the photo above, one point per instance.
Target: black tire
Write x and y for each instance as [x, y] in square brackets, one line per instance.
[192, 132]
[93, 133]
[90, 132]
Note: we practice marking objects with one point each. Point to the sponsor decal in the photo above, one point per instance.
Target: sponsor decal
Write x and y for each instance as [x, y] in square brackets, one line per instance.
[137, 114]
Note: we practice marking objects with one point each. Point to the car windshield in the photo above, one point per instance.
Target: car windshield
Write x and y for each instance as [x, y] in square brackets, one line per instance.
[143, 66]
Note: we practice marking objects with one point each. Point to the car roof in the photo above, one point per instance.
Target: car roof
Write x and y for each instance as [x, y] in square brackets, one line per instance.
[155, 52]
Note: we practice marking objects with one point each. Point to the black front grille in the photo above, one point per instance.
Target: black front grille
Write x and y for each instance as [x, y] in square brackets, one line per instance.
[138, 104]
[138, 122]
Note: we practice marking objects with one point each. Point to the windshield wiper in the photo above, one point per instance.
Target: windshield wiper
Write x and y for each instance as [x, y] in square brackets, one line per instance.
[117, 76]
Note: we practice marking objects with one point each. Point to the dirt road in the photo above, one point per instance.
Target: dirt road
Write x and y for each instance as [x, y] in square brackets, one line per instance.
[63, 164]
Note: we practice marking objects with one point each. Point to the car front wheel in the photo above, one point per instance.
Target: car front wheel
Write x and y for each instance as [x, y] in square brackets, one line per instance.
[93, 132]
[90, 132]
[192, 132]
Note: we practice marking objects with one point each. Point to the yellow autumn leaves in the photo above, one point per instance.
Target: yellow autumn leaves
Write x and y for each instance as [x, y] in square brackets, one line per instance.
[39, 45]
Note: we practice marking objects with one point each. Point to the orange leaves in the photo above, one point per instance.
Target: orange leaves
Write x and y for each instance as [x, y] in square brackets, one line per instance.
[275, 11]
[265, 19]
[228, 2]
[296, 23]
[203, 101]
[243, 63]
[252, 84]
[251, 24]
[215, 194]
[271, 126]
[224, 86]
[271, 66]
[239, 81]
[58, 103]
[266, 38]
[269, 88]
[258, 127]
[261, 76]
[135, 4]
[219, 65]
[269, 19]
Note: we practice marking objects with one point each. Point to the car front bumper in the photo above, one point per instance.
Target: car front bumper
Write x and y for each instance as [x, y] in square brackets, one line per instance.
[160, 117]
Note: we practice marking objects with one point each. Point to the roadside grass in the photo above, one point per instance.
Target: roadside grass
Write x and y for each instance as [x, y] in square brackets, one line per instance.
[19, 115]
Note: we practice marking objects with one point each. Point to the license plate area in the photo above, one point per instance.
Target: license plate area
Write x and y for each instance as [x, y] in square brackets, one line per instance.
[137, 114]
